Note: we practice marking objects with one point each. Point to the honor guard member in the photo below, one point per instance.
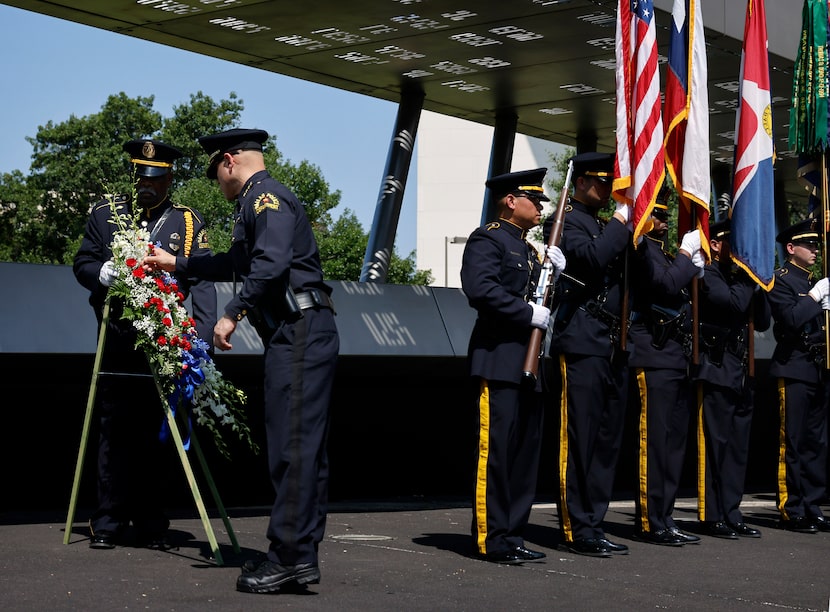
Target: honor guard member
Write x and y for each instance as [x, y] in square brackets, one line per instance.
[499, 273]
[585, 343]
[729, 300]
[660, 341]
[798, 362]
[129, 452]
[274, 252]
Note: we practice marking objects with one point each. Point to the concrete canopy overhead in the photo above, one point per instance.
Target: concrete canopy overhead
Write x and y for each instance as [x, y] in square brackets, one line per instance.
[548, 63]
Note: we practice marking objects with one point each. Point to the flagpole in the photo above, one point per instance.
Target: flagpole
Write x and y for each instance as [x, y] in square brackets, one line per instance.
[825, 216]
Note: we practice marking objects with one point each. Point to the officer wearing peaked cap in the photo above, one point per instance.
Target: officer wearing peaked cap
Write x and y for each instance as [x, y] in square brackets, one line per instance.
[284, 296]
[129, 457]
[798, 362]
[728, 300]
[499, 274]
[585, 343]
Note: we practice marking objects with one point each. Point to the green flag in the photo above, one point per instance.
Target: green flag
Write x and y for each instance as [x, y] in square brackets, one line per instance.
[808, 113]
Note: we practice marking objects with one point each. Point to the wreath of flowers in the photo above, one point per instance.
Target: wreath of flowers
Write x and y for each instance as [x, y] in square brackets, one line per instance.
[178, 358]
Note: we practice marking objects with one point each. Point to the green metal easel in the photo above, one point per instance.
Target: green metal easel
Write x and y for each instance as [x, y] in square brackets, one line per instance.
[177, 440]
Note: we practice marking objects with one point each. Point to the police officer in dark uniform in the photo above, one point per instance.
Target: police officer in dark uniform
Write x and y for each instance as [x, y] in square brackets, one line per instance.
[798, 362]
[283, 295]
[660, 341]
[129, 452]
[499, 273]
[586, 345]
[728, 301]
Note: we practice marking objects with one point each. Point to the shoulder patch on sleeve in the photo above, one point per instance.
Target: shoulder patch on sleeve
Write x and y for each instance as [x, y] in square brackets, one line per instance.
[202, 239]
[266, 200]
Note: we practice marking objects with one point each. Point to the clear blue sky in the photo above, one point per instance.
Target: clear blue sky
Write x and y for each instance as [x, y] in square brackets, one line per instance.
[55, 69]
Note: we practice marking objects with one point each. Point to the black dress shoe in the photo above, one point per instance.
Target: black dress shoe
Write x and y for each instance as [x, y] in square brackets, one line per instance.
[664, 537]
[719, 529]
[529, 555]
[821, 523]
[688, 538]
[102, 539]
[505, 557]
[616, 549]
[799, 524]
[590, 547]
[745, 531]
[269, 576]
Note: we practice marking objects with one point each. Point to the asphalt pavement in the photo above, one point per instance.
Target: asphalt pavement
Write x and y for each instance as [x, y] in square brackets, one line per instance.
[416, 555]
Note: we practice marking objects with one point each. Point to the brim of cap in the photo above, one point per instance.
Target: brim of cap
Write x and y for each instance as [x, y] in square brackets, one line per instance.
[150, 171]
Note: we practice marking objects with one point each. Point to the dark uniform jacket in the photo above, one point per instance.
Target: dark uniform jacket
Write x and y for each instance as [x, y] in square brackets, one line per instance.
[272, 247]
[180, 231]
[499, 273]
[589, 293]
[661, 316]
[799, 325]
[724, 307]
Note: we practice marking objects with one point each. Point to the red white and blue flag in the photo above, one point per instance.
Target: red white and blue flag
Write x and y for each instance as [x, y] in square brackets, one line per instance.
[753, 213]
[639, 167]
[686, 116]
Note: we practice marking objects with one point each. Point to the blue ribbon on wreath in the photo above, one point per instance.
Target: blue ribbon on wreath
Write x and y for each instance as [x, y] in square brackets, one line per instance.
[185, 386]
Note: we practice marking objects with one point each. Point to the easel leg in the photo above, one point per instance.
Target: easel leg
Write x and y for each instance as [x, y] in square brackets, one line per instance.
[214, 491]
[90, 403]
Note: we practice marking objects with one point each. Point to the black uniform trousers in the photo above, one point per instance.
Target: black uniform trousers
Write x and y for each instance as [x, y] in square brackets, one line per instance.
[724, 427]
[131, 457]
[665, 416]
[300, 361]
[592, 412]
[802, 457]
[509, 443]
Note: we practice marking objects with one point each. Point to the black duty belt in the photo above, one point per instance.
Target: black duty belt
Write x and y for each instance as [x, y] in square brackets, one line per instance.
[312, 298]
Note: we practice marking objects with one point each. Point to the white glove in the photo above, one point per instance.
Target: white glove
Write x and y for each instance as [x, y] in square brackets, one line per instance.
[107, 274]
[699, 261]
[825, 302]
[624, 210]
[691, 242]
[557, 258]
[820, 290]
[541, 316]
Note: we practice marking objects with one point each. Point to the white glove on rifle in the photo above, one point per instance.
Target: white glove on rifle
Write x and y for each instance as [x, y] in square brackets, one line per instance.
[557, 258]
[820, 290]
[691, 242]
[107, 273]
[700, 262]
[541, 316]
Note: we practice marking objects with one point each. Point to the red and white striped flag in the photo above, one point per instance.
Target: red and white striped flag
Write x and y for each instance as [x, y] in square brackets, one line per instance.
[639, 167]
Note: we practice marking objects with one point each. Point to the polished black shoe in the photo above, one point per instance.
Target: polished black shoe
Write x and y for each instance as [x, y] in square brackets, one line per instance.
[505, 557]
[664, 537]
[821, 523]
[590, 547]
[688, 538]
[529, 555]
[745, 531]
[719, 529]
[616, 549]
[268, 577]
[102, 539]
[798, 524]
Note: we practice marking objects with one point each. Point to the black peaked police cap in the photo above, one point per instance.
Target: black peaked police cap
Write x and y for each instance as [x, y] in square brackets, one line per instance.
[598, 165]
[237, 139]
[151, 158]
[527, 181]
[805, 231]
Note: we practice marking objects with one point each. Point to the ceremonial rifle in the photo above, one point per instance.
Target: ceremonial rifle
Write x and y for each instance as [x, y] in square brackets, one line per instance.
[543, 295]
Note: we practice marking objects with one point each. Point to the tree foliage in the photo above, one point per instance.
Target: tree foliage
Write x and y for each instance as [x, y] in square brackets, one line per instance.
[81, 160]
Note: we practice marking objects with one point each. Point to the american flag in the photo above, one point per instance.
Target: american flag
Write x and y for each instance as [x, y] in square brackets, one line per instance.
[639, 167]
[753, 213]
[687, 118]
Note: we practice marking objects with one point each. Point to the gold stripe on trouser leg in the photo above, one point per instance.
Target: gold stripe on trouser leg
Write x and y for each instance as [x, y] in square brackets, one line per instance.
[782, 448]
[565, 517]
[642, 462]
[701, 456]
[481, 466]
